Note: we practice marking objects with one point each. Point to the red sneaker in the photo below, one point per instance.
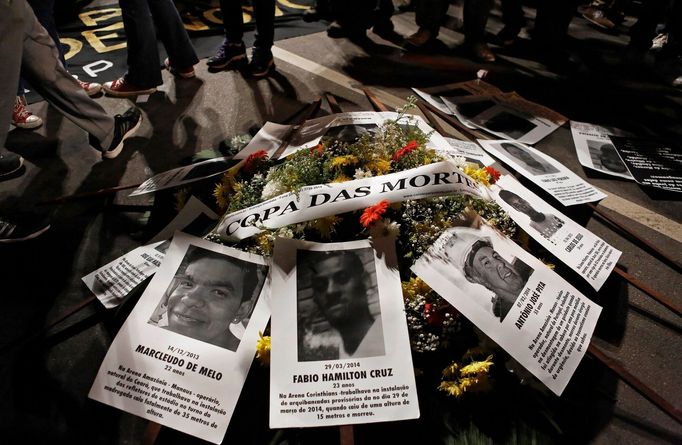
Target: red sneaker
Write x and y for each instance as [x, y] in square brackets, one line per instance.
[22, 117]
[185, 73]
[119, 88]
[91, 88]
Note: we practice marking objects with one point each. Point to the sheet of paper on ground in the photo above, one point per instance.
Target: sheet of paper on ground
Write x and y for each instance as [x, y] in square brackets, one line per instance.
[564, 185]
[583, 251]
[182, 356]
[522, 305]
[113, 281]
[596, 151]
[340, 345]
[653, 163]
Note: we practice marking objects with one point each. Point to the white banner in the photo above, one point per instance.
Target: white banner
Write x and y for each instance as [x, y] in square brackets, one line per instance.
[317, 201]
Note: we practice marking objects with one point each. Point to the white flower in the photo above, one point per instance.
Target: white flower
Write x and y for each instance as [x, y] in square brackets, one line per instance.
[386, 228]
[361, 174]
[272, 189]
[459, 161]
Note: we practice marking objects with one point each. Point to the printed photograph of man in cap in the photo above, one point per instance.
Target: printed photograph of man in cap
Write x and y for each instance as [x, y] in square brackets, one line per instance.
[338, 308]
[210, 298]
[474, 255]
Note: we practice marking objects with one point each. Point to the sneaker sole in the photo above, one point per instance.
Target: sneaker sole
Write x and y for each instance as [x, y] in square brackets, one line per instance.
[111, 154]
[21, 163]
[236, 60]
[114, 93]
[35, 234]
[93, 91]
[28, 126]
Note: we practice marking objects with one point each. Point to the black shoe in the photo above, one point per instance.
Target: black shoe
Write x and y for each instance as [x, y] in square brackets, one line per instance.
[22, 228]
[261, 64]
[10, 163]
[228, 57]
[125, 125]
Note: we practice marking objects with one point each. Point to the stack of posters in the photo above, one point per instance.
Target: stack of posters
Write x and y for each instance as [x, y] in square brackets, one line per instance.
[534, 314]
[478, 105]
[182, 356]
[596, 151]
[564, 185]
[340, 348]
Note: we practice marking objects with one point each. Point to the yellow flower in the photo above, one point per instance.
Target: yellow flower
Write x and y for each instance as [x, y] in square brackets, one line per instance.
[379, 166]
[325, 226]
[181, 198]
[452, 388]
[478, 174]
[341, 178]
[264, 240]
[416, 286]
[474, 368]
[451, 371]
[263, 349]
[343, 161]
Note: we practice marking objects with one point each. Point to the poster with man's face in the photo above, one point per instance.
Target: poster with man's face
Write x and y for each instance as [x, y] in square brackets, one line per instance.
[522, 305]
[339, 335]
[189, 342]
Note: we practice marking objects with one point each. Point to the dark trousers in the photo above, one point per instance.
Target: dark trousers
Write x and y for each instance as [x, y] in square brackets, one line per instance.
[475, 15]
[264, 15]
[430, 14]
[144, 21]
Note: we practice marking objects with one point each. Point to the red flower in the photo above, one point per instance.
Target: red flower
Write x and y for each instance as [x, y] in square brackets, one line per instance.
[317, 150]
[405, 150]
[253, 160]
[494, 174]
[373, 214]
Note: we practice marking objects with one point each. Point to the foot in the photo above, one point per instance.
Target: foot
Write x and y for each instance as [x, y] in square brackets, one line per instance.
[185, 73]
[596, 16]
[262, 64]
[336, 31]
[386, 31]
[22, 227]
[480, 52]
[10, 163]
[229, 56]
[420, 39]
[90, 88]
[22, 117]
[120, 88]
[507, 36]
[125, 125]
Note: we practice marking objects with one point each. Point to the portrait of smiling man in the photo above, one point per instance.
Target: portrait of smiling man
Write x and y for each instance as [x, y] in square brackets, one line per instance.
[210, 295]
[481, 264]
[334, 295]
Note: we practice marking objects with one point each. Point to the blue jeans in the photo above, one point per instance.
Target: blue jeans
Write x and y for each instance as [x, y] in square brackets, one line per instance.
[142, 19]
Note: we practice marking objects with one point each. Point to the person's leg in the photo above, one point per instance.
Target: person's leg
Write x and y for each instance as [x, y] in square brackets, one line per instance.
[231, 54]
[173, 34]
[44, 11]
[430, 14]
[11, 38]
[261, 59]
[144, 64]
[40, 63]
[475, 15]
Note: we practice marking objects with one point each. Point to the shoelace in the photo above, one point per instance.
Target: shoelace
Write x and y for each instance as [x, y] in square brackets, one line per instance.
[6, 228]
[20, 112]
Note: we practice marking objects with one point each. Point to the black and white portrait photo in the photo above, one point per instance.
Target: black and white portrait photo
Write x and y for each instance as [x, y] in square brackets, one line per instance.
[338, 311]
[605, 157]
[545, 223]
[533, 164]
[210, 298]
[475, 257]
[512, 125]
